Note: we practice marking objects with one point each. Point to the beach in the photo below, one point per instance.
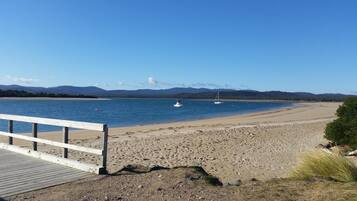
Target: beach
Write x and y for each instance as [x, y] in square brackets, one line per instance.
[261, 145]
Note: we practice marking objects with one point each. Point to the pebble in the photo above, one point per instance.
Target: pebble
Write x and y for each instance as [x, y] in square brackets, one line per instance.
[235, 183]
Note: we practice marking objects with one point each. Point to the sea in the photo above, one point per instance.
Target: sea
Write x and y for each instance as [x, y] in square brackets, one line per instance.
[126, 112]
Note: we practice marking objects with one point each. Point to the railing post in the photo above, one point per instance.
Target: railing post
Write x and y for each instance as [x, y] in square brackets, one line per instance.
[65, 140]
[34, 134]
[11, 130]
[105, 147]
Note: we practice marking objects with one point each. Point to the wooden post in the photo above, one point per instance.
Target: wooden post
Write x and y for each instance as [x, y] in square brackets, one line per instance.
[65, 140]
[34, 134]
[105, 147]
[11, 130]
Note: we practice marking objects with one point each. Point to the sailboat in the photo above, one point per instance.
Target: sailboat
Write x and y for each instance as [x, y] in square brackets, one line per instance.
[217, 101]
[178, 103]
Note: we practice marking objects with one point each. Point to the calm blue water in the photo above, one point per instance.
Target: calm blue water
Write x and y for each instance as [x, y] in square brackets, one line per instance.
[125, 112]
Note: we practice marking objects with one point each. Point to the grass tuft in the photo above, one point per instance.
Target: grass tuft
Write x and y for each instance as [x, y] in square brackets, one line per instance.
[324, 164]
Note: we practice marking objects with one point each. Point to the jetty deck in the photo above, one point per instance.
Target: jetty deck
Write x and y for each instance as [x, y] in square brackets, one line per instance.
[24, 169]
[20, 173]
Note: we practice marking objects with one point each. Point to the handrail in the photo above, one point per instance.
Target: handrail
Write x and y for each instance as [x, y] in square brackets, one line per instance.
[54, 122]
[66, 125]
[53, 143]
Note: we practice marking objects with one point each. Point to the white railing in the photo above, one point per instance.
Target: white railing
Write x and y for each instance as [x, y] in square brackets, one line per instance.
[101, 169]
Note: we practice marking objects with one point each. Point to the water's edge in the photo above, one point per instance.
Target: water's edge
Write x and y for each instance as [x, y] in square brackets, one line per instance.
[129, 112]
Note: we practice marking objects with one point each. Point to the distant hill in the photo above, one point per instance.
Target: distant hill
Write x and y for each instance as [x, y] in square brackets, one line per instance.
[17, 93]
[194, 93]
[269, 95]
[69, 90]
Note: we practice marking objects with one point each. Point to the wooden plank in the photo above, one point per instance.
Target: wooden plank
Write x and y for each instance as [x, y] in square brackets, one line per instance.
[54, 122]
[30, 177]
[54, 159]
[38, 180]
[18, 173]
[53, 143]
[39, 185]
[35, 168]
[32, 174]
[15, 163]
[56, 175]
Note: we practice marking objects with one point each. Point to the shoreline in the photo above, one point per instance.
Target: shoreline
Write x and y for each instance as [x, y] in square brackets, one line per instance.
[261, 145]
[235, 119]
[204, 120]
[209, 122]
[213, 118]
[252, 118]
[192, 99]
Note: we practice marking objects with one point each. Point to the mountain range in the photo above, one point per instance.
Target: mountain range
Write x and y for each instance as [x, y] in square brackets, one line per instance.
[177, 93]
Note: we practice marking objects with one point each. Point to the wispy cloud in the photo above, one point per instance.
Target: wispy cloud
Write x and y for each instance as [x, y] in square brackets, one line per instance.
[152, 81]
[162, 84]
[128, 85]
[209, 85]
[21, 80]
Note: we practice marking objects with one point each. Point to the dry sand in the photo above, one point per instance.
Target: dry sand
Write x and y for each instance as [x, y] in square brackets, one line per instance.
[189, 184]
[262, 145]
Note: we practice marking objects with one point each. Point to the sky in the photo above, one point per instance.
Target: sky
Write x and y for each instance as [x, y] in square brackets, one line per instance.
[287, 45]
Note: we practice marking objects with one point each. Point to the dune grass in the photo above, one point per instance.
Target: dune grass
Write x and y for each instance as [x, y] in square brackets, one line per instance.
[324, 164]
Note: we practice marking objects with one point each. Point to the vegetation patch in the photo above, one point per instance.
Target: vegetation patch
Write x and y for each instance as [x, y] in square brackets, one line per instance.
[343, 131]
[324, 164]
[139, 169]
[22, 94]
[211, 180]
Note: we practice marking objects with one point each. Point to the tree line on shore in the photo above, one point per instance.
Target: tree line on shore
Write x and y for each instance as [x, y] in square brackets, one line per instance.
[16, 93]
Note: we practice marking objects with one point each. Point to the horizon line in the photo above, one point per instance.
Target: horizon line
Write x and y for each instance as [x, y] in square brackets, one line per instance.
[189, 87]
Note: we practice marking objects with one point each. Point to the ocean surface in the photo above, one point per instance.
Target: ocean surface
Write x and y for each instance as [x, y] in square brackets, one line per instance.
[126, 112]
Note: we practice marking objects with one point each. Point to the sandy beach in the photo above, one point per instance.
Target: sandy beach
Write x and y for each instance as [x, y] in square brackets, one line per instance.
[261, 145]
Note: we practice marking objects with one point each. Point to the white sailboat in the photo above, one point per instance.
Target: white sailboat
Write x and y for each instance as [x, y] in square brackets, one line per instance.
[178, 104]
[217, 101]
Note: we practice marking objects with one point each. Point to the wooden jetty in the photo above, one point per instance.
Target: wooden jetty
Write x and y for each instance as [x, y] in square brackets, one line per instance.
[23, 169]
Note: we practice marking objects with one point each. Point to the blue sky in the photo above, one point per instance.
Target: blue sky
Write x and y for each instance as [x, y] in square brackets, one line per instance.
[290, 45]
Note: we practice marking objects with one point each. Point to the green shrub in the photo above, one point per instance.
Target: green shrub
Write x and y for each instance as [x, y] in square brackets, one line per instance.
[343, 131]
[324, 164]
